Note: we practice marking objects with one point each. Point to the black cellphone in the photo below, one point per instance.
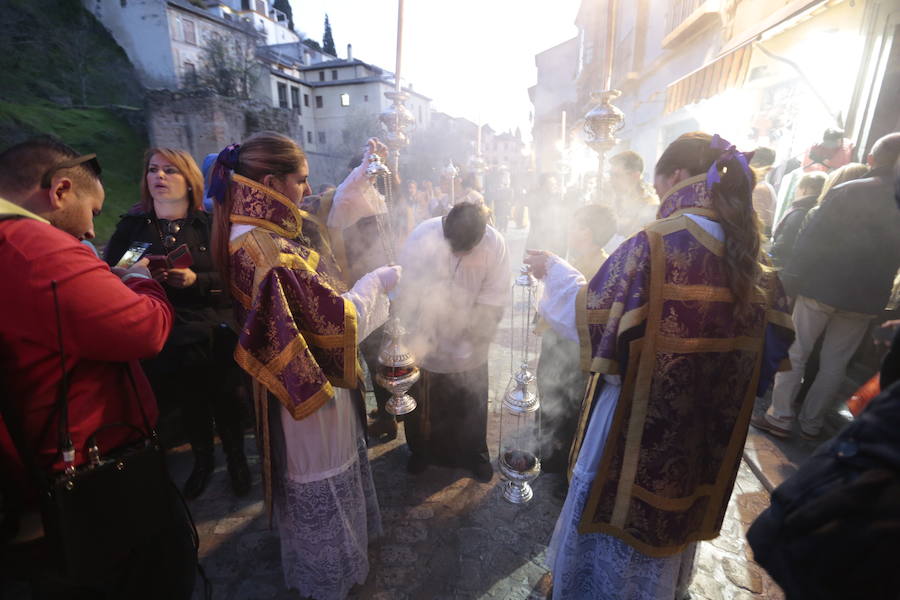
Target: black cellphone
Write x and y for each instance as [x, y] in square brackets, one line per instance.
[133, 254]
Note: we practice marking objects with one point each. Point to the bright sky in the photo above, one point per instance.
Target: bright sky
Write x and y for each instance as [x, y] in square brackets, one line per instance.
[473, 58]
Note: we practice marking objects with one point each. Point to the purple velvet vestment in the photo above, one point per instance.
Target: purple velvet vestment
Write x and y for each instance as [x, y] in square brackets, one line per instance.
[660, 314]
[298, 334]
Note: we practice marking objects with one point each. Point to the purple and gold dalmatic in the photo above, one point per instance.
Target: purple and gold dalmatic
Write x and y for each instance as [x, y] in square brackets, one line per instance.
[660, 314]
[298, 334]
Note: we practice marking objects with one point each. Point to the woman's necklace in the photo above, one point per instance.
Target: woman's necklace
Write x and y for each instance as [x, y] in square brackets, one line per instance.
[170, 238]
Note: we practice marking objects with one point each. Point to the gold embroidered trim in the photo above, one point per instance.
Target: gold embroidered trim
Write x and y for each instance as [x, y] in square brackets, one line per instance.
[296, 213]
[673, 504]
[705, 293]
[695, 210]
[604, 365]
[690, 345]
[682, 184]
[776, 317]
[581, 323]
[262, 373]
[586, 401]
[632, 319]
[641, 399]
[708, 240]
[597, 316]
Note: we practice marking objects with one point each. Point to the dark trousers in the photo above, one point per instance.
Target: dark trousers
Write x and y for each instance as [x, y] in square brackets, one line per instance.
[369, 348]
[561, 386]
[449, 426]
[210, 392]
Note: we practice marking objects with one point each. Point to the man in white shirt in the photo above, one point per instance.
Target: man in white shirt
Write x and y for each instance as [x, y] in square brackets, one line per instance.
[455, 286]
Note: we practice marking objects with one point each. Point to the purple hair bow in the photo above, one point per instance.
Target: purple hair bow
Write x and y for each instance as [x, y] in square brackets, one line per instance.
[729, 152]
[218, 178]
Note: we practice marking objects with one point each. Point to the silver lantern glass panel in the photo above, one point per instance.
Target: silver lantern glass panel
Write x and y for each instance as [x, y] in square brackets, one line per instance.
[520, 425]
[397, 370]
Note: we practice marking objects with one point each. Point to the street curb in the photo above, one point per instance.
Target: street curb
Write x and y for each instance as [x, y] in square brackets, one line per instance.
[758, 472]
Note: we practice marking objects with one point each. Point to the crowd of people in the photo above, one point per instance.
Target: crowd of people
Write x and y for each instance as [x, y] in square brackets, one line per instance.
[237, 298]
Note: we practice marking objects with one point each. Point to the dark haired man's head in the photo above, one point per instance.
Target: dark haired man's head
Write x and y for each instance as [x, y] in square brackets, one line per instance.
[629, 161]
[763, 157]
[832, 138]
[592, 227]
[886, 151]
[625, 170]
[464, 226]
[36, 175]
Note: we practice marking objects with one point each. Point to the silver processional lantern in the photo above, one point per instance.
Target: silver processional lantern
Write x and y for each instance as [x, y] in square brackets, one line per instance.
[397, 370]
[520, 420]
[601, 124]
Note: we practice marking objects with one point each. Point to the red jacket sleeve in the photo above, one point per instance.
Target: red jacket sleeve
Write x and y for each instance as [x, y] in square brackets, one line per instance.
[102, 317]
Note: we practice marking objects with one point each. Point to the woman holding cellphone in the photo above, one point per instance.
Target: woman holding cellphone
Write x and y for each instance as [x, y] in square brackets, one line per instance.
[195, 369]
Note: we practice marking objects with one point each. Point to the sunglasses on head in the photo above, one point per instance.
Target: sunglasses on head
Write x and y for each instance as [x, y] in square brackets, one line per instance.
[89, 160]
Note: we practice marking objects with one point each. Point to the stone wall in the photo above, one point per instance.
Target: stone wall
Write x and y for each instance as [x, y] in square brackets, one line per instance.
[203, 122]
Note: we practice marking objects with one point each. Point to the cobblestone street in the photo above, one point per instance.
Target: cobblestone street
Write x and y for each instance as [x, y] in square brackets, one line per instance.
[446, 536]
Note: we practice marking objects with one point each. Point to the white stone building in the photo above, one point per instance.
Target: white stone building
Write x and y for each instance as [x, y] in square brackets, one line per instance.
[164, 39]
[335, 101]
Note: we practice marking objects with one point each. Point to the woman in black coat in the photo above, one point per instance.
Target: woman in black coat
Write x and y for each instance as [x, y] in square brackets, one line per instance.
[196, 368]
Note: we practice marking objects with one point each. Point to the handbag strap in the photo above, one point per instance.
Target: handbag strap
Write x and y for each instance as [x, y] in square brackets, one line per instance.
[65, 445]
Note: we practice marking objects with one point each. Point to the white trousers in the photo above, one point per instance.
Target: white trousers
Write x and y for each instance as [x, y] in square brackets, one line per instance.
[843, 331]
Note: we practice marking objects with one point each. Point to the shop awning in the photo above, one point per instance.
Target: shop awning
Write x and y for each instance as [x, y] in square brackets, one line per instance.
[730, 68]
[712, 79]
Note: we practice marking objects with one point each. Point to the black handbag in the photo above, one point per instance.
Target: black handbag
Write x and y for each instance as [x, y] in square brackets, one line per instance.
[98, 515]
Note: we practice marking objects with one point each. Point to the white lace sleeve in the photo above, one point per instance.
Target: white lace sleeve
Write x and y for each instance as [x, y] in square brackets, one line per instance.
[372, 305]
[557, 305]
[355, 199]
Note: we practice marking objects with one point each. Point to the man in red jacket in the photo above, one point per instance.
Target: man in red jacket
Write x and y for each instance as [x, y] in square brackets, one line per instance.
[109, 319]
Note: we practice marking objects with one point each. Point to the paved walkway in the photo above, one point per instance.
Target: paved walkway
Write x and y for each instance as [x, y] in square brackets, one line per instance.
[448, 536]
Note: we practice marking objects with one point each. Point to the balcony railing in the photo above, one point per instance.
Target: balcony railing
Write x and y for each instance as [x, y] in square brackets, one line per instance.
[687, 16]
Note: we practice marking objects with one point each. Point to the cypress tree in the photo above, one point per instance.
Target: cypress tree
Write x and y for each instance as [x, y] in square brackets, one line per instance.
[328, 40]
